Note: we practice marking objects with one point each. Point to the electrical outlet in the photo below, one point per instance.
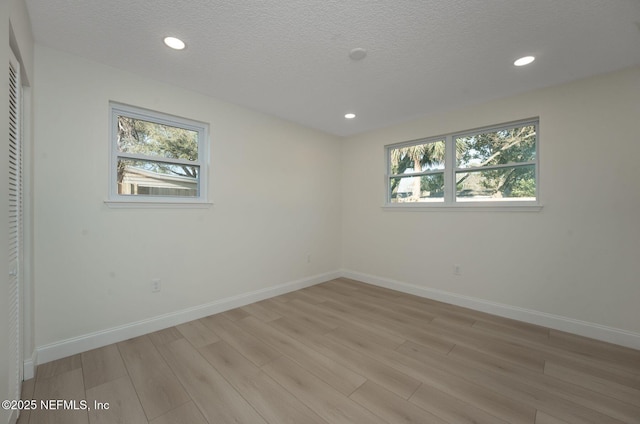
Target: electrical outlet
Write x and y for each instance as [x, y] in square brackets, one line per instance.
[457, 269]
[308, 258]
[156, 286]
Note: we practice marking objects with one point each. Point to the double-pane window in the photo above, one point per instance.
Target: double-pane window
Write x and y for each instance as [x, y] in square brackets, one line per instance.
[157, 157]
[495, 164]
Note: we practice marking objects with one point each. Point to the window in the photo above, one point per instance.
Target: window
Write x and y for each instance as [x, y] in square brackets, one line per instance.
[157, 158]
[494, 165]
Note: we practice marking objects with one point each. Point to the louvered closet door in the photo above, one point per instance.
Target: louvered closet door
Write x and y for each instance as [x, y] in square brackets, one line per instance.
[15, 228]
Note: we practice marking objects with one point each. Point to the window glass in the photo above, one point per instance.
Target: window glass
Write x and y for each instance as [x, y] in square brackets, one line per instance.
[424, 188]
[511, 183]
[135, 177]
[150, 138]
[417, 158]
[512, 145]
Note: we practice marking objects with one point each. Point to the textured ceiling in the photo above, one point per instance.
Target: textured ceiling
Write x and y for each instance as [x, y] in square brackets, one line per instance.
[290, 58]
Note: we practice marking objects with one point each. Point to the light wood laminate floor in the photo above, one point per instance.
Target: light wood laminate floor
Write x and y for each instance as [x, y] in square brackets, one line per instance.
[345, 352]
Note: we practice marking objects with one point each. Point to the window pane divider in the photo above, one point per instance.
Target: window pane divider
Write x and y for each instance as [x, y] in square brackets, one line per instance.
[492, 167]
[449, 177]
[417, 174]
[162, 159]
[501, 127]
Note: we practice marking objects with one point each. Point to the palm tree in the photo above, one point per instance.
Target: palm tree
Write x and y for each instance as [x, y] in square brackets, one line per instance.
[420, 157]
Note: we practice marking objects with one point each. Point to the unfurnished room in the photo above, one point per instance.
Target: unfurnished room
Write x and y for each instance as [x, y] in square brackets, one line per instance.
[325, 212]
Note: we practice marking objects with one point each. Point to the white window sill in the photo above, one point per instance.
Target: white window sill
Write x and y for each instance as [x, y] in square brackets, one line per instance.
[466, 207]
[128, 204]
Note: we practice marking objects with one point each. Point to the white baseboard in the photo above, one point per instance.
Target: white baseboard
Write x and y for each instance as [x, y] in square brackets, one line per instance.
[64, 348]
[29, 367]
[557, 322]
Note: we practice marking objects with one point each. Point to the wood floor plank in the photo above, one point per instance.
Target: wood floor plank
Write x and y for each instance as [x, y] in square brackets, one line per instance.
[374, 307]
[382, 292]
[416, 333]
[622, 356]
[390, 407]
[184, 414]
[271, 400]
[515, 329]
[499, 405]
[59, 366]
[339, 287]
[323, 399]
[596, 365]
[549, 386]
[544, 418]
[218, 401]
[165, 336]
[460, 316]
[292, 310]
[235, 314]
[510, 351]
[306, 296]
[479, 395]
[475, 370]
[157, 387]
[341, 318]
[261, 312]
[28, 387]
[592, 382]
[102, 365]
[365, 337]
[63, 386]
[284, 298]
[598, 369]
[578, 356]
[399, 310]
[197, 333]
[252, 348]
[451, 408]
[328, 370]
[390, 378]
[124, 406]
[330, 317]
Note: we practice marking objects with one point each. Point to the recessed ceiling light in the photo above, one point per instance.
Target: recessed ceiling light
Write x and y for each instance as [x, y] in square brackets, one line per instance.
[350, 115]
[174, 43]
[524, 61]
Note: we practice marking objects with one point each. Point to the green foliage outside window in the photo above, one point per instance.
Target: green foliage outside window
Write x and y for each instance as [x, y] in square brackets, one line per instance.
[163, 141]
[511, 146]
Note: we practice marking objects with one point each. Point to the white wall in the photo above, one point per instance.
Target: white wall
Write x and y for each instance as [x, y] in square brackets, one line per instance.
[577, 259]
[275, 185]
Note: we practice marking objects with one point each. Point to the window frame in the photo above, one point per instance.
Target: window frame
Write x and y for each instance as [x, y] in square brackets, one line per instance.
[451, 169]
[126, 200]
